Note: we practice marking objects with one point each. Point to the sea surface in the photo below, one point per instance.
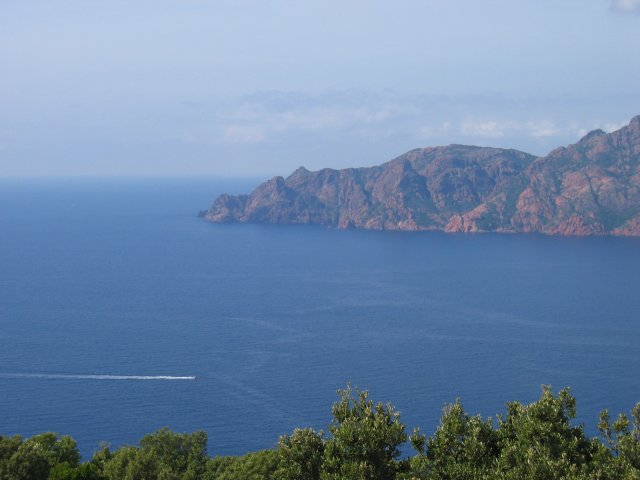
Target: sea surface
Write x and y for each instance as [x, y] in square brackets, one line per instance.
[114, 296]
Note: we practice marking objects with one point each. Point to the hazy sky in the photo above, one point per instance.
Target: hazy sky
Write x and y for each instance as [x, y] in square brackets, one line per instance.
[194, 87]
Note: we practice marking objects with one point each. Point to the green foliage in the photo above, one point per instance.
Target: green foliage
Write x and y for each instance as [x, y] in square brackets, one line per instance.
[57, 450]
[622, 438]
[184, 454]
[530, 442]
[301, 455]
[27, 463]
[34, 458]
[260, 465]
[8, 447]
[463, 447]
[537, 441]
[163, 455]
[117, 465]
[366, 438]
[85, 471]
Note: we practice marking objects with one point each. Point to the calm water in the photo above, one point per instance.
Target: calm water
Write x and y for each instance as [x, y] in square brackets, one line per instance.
[100, 280]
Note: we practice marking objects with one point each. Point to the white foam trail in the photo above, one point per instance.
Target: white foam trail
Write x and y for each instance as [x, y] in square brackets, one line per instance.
[94, 377]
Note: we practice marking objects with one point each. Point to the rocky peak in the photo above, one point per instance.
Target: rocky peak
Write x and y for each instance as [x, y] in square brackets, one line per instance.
[593, 134]
[299, 176]
[633, 132]
[300, 171]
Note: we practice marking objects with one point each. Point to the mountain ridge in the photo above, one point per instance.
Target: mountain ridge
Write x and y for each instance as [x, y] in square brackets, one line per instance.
[591, 187]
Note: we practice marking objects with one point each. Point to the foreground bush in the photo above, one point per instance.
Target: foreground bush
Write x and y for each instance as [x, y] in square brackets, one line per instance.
[538, 441]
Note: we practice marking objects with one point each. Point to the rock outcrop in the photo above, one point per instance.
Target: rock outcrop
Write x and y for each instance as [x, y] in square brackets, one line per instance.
[589, 188]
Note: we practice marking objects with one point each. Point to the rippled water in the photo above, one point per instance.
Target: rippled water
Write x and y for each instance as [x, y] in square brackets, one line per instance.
[109, 288]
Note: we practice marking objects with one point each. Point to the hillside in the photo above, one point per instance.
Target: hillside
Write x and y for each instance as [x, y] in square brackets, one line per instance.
[588, 188]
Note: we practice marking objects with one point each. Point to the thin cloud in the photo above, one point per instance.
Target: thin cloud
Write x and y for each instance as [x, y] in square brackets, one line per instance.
[484, 129]
[243, 134]
[537, 129]
[543, 129]
[383, 123]
[270, 116]
[625, 6]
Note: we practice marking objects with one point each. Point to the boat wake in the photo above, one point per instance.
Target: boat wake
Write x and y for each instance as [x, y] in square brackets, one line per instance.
[53, 376]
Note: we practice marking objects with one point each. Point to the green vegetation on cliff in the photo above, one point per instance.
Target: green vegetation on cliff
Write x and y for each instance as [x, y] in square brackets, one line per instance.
[538, 441]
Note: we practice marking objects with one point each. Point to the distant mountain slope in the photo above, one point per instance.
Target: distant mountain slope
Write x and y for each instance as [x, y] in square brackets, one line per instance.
[589, 188]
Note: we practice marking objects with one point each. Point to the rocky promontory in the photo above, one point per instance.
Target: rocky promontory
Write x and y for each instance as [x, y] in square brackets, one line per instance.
[588, 188]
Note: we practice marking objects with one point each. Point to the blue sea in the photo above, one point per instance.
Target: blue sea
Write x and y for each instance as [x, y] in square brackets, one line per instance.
[112, 288]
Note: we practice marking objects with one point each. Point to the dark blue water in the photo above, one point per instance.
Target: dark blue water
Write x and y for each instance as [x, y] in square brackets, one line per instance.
[119, 277]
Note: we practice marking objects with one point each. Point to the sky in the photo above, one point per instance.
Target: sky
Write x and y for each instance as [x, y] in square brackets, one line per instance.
[256, 88]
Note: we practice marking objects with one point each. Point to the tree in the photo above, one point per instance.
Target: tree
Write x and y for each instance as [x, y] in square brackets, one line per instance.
[163, 455]
[261, 465]
[621, 458]
[57, 450]
[183, 454]
[531, 442]
[538, 442]
[85, 471]
[462, 448]
[365, 439]
[27, 463]
[34, 458]
[301, 455]
[9, 446]
[116, 467]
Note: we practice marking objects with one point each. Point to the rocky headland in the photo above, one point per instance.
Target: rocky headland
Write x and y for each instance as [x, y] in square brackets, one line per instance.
[588, 188]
